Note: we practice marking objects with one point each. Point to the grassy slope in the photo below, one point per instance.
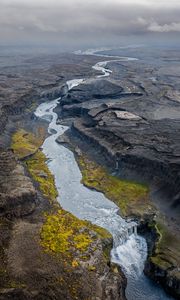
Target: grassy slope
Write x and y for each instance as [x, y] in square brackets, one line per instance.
[26, 143]
[132, 198]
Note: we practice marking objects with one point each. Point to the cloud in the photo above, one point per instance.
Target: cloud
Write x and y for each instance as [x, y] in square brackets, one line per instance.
[85, 20]
[42, 26]
[153, 26]
[141, 21]
[172, 27]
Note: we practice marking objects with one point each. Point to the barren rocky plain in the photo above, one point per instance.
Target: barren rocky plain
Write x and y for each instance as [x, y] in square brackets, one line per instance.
[122, 128]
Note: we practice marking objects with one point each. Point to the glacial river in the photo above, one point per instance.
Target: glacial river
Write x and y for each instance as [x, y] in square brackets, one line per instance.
[130, 249]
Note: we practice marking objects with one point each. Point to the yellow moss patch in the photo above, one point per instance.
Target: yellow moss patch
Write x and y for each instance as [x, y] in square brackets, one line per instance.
[26, 143]
[91, 268]
[75, 263]
[132, 198]
[41, 174]
[64, 233]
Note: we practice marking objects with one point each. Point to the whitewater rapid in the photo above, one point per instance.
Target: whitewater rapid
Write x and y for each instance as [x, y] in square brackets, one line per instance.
[130, 249]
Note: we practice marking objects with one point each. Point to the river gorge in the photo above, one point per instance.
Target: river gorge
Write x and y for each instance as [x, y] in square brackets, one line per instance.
[129, 248]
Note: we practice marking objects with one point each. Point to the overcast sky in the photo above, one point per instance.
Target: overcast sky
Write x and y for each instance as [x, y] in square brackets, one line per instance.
[84, 22]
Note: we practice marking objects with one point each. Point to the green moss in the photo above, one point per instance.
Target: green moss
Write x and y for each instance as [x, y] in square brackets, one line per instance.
[39, 171]
[167, 247]
[65, 234]
[132, 198]
[26, 143]
[166, 238]
[159, 261]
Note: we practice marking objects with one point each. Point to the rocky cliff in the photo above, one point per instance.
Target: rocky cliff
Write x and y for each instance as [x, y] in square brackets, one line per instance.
[17, 193]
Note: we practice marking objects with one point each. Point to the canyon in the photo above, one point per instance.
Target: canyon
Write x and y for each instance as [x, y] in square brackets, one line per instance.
[128, 123]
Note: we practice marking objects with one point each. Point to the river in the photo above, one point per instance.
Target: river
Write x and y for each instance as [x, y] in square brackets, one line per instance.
[130, 249]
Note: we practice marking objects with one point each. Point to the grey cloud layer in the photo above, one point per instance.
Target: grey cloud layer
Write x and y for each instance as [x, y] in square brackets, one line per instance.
[42, 19]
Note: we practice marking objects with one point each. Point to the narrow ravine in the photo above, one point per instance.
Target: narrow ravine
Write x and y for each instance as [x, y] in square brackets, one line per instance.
[130, 249]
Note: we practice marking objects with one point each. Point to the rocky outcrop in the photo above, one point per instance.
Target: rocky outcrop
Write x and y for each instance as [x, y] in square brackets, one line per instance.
[3, 120]
[55, 92]
[95, 89]
[168, 278]
[162, 265]
[17, 194]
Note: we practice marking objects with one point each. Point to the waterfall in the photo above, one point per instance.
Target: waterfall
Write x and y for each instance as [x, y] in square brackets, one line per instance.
[135, 229]
[122, 234]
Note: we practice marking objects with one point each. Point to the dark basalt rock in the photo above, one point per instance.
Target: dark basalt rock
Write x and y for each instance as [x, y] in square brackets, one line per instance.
[17, 194]
[168, 279]
[95, 89]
